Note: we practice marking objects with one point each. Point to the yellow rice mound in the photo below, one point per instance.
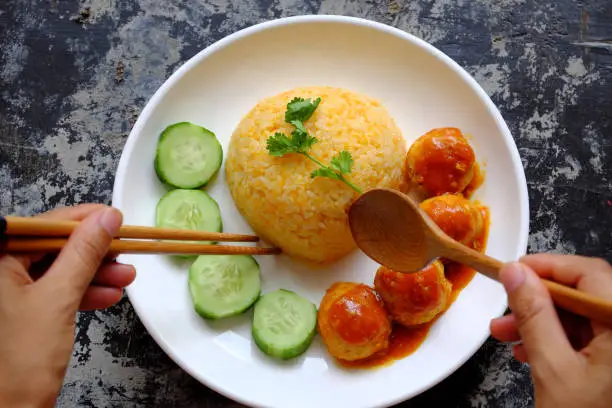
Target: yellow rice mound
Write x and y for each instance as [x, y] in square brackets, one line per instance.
[306, 217]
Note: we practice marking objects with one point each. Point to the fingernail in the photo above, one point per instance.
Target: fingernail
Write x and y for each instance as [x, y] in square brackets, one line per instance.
[512, 276]
[111, 220]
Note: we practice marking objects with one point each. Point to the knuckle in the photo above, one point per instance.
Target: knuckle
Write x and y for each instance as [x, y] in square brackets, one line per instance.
[597, 280]
[11, 266]
[528, 308]
[602, 265]
[89, 254]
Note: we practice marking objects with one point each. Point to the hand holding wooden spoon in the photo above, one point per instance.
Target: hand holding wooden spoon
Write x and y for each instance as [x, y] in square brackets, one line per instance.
[392, 230]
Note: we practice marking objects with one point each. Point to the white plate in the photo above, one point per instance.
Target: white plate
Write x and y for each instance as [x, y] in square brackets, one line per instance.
[423, 89]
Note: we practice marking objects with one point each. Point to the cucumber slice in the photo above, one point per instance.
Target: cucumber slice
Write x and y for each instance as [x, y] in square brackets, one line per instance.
[224, 285]
[284, 324]
[189, 209]
[188, 156]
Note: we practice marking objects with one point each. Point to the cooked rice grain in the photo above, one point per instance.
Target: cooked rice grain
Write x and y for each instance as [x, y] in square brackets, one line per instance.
[303, 216]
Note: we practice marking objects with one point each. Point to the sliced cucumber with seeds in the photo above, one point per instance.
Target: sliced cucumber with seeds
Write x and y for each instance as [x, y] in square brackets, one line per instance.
[224, 285]
[188, 156]
[284, 324]
[189, 209]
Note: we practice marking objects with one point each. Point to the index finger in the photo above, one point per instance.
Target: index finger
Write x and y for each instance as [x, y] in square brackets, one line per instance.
[573, 270]
[590, 275]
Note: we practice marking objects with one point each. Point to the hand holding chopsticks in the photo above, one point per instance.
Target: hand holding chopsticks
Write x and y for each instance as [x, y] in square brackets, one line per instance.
[30, 235]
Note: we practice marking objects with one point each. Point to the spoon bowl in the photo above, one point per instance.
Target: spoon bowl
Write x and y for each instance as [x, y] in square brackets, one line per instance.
[393, 230]
[395, 236]
[389, 227]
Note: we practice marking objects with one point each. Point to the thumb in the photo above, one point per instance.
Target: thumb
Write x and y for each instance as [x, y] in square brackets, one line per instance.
[537, 321]
[77, 263]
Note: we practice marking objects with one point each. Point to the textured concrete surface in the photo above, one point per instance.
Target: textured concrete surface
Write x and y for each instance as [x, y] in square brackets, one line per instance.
[74, 76]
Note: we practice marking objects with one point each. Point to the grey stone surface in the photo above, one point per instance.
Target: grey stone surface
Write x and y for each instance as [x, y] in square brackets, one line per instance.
[74, 76]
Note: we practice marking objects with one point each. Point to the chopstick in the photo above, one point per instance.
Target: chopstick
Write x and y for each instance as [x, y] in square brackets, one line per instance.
[50, 245]
[36, 235]
[29, 226]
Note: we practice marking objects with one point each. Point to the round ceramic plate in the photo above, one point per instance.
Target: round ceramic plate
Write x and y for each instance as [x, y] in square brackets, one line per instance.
[423, 89]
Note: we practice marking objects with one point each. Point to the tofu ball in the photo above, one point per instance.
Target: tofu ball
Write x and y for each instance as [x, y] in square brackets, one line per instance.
[353, 322]
[441, 161]
[414, 298]
[461, 219]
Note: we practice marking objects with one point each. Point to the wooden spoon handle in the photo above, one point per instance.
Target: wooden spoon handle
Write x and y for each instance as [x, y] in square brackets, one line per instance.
[580, 303]
[570, 299]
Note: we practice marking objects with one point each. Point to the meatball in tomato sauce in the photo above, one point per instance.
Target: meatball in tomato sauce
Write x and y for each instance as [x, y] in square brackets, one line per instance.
[353, 322]
[441, 161]
[461, 219]
[416, 298]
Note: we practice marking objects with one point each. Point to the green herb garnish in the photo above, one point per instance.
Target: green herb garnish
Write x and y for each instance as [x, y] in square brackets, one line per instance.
[298, 111]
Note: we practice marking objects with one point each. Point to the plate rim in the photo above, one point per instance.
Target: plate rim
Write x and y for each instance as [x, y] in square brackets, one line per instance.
[469, 80]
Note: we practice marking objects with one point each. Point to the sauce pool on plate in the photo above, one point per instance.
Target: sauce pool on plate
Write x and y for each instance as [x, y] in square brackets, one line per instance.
[442, 174]
[406, 340]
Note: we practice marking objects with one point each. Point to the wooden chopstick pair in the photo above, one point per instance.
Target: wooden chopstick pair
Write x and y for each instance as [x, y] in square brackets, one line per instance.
[36, 235]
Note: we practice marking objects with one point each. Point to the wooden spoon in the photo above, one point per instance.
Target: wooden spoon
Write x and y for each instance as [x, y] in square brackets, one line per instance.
[393, 230]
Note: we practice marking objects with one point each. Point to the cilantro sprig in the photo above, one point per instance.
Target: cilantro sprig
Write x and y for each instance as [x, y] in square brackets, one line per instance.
[299, 110]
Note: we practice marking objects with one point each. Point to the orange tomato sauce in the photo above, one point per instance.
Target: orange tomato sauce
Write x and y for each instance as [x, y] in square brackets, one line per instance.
[477, 180]
[405, 341]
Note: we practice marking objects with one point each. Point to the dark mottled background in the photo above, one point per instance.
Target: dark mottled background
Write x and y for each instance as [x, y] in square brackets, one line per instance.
[74, 76]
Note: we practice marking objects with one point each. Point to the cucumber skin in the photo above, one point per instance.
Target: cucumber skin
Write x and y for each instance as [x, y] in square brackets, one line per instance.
[213, 316]
[160, 173]
[286, 354]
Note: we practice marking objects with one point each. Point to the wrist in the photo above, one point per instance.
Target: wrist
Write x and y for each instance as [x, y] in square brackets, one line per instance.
[26, 395]
[28, 401]
[31, 401]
